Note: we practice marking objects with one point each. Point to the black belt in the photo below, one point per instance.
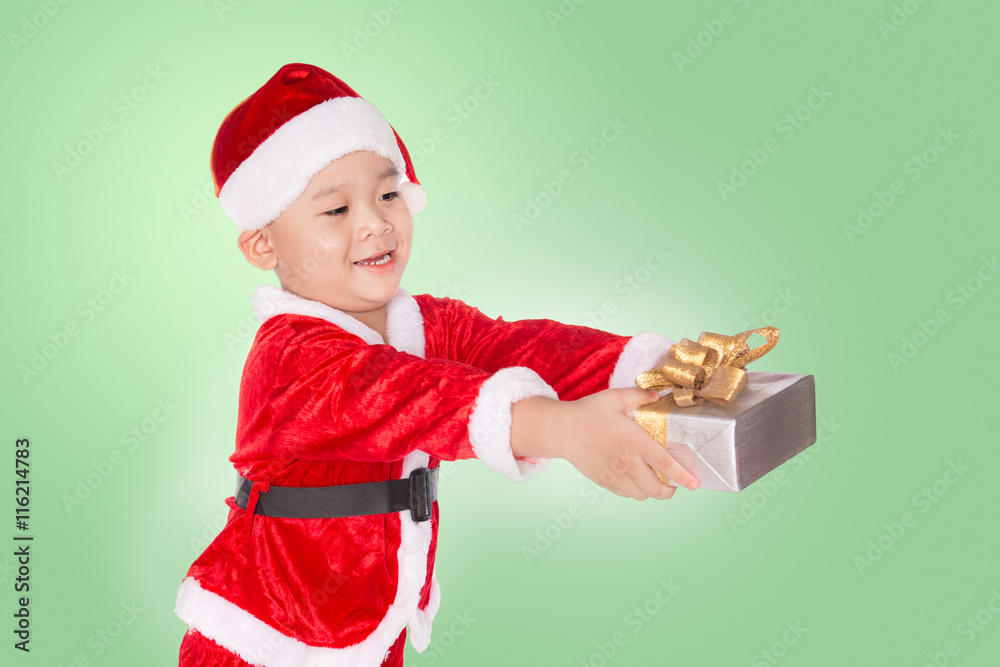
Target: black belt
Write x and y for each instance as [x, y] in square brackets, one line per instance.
[416, 493]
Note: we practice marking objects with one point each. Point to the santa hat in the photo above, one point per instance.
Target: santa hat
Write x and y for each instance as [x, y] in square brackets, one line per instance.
[272, 144]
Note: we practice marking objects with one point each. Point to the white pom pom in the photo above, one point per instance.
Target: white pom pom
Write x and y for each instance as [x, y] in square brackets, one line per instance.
[414, 196]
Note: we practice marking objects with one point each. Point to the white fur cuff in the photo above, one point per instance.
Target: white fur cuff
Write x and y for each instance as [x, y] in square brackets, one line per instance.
[489, 425]
[641, 353]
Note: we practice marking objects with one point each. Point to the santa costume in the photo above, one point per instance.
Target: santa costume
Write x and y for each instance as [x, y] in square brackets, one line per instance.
[325, 401]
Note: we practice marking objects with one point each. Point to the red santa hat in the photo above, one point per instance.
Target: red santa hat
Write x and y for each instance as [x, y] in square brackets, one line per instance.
[272, 144]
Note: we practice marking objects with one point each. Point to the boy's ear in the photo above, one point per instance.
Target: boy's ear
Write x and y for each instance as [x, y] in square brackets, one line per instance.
[256, 247]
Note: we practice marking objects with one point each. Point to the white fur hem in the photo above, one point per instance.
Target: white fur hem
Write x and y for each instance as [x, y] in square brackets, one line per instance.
[271, 178]
[420, 624]
[258, 643]
[489, 425]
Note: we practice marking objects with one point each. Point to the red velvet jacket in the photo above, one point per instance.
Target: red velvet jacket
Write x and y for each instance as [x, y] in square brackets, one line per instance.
[323, 401]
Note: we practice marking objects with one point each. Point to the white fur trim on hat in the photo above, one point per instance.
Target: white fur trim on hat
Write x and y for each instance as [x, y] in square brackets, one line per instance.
[414, 196]
[278, 171]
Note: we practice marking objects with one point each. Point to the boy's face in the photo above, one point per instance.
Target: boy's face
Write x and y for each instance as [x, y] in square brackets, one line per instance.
[351, 211]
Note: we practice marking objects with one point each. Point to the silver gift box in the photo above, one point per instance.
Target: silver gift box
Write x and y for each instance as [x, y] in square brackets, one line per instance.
[729, 448]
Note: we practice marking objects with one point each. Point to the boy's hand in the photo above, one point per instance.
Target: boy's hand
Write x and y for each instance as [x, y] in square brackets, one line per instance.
[598, 437]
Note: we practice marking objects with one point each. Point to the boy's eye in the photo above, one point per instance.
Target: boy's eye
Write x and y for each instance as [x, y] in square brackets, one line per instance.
[389, 196]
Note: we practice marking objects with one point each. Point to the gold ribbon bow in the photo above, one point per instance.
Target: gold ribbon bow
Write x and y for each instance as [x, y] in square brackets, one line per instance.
[713, 369]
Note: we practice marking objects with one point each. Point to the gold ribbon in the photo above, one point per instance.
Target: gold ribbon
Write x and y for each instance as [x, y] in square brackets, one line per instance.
[713, 369]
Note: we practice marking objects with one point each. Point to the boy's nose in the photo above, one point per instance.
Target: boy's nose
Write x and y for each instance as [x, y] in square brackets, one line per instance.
[372, 222]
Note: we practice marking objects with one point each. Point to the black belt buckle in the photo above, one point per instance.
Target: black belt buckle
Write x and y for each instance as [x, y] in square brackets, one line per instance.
[423, 492]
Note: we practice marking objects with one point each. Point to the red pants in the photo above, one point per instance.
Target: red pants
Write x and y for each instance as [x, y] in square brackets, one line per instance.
[197, 650]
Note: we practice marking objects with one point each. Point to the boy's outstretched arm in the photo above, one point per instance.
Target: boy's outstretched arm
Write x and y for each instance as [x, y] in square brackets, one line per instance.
[596, 435]
[574, 360]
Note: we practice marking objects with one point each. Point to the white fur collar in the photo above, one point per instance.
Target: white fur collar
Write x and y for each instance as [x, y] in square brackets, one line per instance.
[404, 323]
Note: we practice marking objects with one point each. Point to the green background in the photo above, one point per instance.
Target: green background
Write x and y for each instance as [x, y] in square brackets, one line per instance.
[177, 331]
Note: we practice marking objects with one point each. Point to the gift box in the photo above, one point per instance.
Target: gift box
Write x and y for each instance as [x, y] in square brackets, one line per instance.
[727, 425]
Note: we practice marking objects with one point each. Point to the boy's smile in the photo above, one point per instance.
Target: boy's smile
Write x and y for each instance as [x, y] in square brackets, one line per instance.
[344, 242]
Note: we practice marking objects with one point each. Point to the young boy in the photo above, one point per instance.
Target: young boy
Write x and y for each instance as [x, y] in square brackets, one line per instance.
[354, 391]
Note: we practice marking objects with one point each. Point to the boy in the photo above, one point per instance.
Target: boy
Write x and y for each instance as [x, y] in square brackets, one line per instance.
[354, 391]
